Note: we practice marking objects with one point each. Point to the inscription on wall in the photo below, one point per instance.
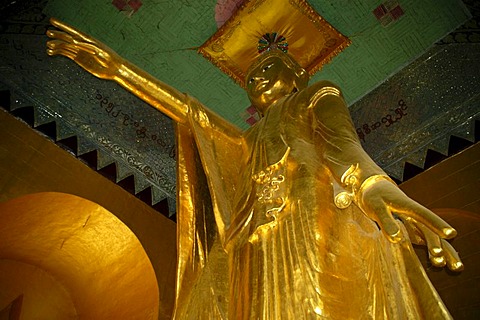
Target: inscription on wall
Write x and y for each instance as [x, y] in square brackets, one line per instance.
[129, 121]
[384, 122]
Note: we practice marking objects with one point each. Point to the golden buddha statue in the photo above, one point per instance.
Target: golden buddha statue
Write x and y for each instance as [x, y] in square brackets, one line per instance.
[290, 219]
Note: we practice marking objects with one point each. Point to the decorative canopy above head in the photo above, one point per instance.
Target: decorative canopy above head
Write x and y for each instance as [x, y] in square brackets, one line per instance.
[261, 25]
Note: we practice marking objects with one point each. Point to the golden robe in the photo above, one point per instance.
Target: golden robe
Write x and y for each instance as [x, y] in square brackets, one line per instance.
[259, 236]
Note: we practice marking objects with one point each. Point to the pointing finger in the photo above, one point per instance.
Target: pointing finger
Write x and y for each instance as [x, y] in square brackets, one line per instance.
[72, 31]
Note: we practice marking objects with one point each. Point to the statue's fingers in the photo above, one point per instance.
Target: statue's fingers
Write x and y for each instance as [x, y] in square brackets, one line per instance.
[72, 31]
[60, 35]
[69, 55]
[60, 44]
[101, 61]
[428, 218]
[415, 235]
[453, 260]
[438, 262]
[386, 221]
[89, 48]
[63, 51]
[68, 39]
[434, 244]
[55, 44]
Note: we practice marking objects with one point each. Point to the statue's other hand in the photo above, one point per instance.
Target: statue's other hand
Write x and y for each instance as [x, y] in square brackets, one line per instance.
[86, 51]
[381, 200]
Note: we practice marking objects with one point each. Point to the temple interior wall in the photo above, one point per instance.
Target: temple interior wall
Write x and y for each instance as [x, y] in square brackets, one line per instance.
[30, 163]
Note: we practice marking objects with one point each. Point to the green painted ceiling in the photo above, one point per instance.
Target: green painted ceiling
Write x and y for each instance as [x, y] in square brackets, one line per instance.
[162, 37]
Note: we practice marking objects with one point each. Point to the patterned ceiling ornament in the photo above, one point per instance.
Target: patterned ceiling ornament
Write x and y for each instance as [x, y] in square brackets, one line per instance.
[271, 41]
[312, 41]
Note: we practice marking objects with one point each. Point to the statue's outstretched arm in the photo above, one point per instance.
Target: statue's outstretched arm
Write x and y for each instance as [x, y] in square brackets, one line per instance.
[103, 62]
[369, 186]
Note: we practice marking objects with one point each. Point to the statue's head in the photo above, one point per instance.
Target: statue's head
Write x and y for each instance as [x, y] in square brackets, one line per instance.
[274, 75]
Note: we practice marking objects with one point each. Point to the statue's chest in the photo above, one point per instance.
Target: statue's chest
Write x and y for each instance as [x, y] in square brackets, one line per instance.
[284, 127]
[277, 156]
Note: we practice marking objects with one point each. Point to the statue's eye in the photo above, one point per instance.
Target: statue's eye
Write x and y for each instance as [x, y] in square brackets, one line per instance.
[267, 67]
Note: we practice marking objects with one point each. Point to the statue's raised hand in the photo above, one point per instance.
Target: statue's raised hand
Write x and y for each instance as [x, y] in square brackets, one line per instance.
[381, 200]
[89, 53]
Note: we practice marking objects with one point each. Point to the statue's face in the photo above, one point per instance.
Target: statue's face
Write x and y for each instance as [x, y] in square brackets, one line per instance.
[269, 81]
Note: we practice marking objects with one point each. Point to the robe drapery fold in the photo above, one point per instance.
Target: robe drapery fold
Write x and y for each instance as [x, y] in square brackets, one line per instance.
[206, 146]
[238, 259]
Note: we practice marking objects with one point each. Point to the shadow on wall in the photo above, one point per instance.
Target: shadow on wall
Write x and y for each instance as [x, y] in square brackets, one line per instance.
[71, 258]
